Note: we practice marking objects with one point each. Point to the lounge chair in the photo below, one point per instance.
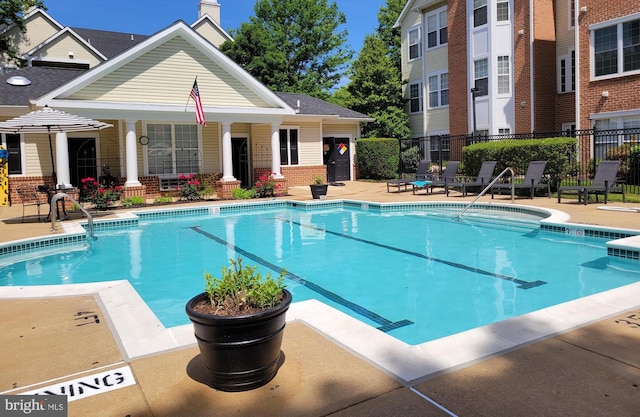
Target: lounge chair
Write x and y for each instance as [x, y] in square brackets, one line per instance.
[447, 177]
[422, 174]
[532, 181]
[603, 181]
[485, 176]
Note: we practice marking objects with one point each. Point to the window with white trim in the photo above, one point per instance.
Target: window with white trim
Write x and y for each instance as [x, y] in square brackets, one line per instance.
[572, 13]
[289, 146]
[415, 45]
[13, 144]
[616, 48]
[607, 136]
[502, 10]
[479, 13]
[566, 73]
[437, 28]
[438, 90]
[504, 75]
[415, 98]
[481, 76]
[504, 131]
[173, 149]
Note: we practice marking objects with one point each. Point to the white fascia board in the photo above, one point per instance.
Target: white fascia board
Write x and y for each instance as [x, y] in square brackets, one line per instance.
[29, 15]
[214, 23]
[62, 33]
[179, 28]
[163, 112]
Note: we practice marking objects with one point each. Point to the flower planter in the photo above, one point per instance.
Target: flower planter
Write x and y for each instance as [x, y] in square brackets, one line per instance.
[319, 191]
[240, 352]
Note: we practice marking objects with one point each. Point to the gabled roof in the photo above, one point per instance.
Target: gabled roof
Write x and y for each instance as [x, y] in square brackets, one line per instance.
[206, 19]
[316, 107]
[65, 32]
[416, 6]
[218, 74]
[108, 43]
[43, 80]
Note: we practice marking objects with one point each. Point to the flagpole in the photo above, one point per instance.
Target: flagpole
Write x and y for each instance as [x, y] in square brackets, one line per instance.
[185, 106]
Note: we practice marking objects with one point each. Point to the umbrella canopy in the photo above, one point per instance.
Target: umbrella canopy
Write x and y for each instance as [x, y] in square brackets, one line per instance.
[47, 120]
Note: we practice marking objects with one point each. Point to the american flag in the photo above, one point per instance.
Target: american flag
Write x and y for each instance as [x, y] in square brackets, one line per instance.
[195, 95]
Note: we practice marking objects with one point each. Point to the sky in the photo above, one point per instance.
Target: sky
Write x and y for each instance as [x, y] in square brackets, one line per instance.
[145, 17]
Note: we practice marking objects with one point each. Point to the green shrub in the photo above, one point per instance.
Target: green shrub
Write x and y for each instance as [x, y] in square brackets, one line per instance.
[410, 157]
[163, 200]
[135, 200]
[243, 194]
[377, 158]
[560, 154]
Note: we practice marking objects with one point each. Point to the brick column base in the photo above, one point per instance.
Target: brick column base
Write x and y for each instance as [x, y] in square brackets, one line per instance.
[282, 186]
[224, 189]
[128, 192]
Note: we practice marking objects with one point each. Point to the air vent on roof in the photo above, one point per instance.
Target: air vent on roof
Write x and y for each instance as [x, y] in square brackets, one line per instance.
[18, 80]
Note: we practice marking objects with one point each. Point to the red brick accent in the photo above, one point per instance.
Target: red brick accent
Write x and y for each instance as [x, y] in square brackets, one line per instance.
[544, 71]
[623, 91]
[225, 188]
[458, 86]
[139, 191]
[303, 175]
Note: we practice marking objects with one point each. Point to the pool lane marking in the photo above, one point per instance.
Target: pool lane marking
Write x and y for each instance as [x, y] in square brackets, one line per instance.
[384, 324]
[525, 285]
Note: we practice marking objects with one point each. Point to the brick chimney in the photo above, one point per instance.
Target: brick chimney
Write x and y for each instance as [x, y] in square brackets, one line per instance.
[210, 7]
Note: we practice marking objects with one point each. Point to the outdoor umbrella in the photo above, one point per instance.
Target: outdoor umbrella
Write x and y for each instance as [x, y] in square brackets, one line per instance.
[47, 120]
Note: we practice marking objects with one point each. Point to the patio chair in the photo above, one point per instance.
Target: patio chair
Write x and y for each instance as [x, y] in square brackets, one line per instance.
[603, 181]
[532, 181]
[29, 196]
[422, 174]
[447, 177]
[484, 177]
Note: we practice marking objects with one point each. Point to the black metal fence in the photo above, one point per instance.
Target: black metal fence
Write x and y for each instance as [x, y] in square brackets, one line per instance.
[592, 146]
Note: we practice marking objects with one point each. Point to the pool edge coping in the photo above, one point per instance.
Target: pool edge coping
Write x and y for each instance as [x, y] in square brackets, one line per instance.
[409, 364]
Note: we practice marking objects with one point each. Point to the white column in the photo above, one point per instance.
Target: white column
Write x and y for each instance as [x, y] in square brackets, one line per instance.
[227, 156]
[62, 161]
[132, 156]
[275, 150]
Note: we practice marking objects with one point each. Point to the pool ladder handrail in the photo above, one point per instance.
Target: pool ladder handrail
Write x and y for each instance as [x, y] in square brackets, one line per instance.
[507, 169]
[54, 202]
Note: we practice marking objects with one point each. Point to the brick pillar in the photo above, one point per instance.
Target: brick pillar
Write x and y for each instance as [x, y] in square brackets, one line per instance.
[225, 188]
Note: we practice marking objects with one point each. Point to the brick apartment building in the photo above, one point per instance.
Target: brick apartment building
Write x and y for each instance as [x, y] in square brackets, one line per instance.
[518, 66]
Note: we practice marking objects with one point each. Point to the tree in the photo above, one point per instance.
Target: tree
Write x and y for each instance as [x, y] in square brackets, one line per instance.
[375, 85]
[12, 12]
[293, 46]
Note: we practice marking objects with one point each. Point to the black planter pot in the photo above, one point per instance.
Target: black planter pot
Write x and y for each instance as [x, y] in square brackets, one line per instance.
[318, 191]
[240, 352]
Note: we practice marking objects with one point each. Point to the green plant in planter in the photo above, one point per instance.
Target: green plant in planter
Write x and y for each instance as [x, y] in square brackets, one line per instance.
[242, 290]
[317, 179]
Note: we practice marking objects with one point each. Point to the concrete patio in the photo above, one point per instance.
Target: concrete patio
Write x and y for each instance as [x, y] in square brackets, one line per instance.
[588, 370]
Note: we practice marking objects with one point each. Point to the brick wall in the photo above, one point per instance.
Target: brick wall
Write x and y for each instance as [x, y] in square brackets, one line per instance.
[544, 58]
[522, 68]
[623, 91]
[457, 48]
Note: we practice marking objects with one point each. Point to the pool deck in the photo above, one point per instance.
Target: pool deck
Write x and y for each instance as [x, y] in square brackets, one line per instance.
[580, 359]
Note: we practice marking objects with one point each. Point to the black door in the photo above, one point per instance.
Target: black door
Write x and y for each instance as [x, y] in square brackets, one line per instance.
[337, 159]
[240, 156]
[82, 159]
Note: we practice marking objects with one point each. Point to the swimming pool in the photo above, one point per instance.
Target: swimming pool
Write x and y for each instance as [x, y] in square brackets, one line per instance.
[412, 271]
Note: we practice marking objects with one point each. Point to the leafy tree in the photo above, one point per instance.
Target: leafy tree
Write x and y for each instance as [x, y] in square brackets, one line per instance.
[293, 45]
[375, 85]
[12, 12]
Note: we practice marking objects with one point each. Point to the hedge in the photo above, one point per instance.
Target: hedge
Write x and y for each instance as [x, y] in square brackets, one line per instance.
[377, 158]
[558, 152]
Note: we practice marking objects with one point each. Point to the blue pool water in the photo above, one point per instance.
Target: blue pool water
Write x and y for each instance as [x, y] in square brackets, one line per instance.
[413, 275]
